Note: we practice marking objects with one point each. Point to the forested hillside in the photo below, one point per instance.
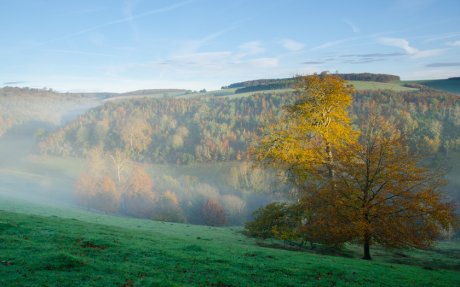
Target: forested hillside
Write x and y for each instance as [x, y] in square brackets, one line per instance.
[184, 131]
[22, 105]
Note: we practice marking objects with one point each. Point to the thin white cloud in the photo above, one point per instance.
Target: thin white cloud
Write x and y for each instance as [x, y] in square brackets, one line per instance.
[399, 43]
[437, 37]
[361, 40]
[127, 10]
[15, 83]
[353, 27]
[216, 61]
[193, 46]
[203, 60]
[265, 62]
[199, 64]
[433, 73]
[443, 64]
[404, 44]
[428, 53]
[331, 44]
[292, 45]
[454, 43]
[251, 48]
[128, 18]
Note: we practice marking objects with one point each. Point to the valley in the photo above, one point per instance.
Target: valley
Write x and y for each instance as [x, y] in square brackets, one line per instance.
[194, 150]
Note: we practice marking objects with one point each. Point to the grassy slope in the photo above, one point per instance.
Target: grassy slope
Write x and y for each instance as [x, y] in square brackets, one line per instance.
[358, 85]
[365, 85]
[69, 247]
[452, 86]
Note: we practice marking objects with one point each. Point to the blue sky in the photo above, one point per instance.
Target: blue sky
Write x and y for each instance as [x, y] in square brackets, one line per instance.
[116, 45]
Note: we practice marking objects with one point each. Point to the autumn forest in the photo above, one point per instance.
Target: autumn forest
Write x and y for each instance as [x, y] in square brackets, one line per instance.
[313, 163]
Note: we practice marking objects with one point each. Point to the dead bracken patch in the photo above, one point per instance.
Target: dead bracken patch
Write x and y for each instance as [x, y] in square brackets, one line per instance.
[88, 244]
[7, 263]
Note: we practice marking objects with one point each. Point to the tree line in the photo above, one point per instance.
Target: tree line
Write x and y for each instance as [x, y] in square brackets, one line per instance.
[112, 183]
[264, 84]
[184, 131]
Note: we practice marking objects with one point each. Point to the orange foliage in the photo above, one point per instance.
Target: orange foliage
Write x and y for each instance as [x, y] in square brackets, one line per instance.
[100, 193]
[381, 195]
[139, 198]
[213, 213]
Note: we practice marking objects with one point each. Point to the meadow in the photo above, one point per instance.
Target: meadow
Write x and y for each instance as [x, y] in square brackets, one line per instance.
[46, 240]
[374, 86]
[44, 245]
[448, 85]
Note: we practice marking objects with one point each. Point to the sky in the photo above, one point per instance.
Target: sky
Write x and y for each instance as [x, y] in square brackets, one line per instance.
[118, 46]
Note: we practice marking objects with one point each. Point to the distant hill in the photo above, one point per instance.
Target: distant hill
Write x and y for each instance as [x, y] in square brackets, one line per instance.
[203, 129]
[148, 93]
[154, 92]
[451, 85]
[22, 105]
[286, 83]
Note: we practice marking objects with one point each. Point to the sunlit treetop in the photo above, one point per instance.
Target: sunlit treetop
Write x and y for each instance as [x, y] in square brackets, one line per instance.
[312, 130]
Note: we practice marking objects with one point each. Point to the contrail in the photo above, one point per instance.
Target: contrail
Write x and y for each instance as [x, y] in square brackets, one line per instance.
[123, 20]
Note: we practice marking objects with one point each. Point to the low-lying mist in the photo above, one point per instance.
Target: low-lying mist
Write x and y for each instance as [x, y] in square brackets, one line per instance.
[167, 155]
[212, 194]
[224, 193]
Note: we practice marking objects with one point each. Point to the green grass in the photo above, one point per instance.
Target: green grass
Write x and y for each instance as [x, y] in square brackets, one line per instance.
[365, 85]
[51, 246]
[152, 93]
[448, 85]
[358, 85]
[248, 94]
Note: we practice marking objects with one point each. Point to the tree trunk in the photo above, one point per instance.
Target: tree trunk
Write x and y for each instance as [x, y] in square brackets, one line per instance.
[330, 160]
[367, 251]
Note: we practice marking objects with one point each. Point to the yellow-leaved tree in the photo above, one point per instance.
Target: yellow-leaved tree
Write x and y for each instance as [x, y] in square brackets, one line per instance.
[305, 140]
[365, 188]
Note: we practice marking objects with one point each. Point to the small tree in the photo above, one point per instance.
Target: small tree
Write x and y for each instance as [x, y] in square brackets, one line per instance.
[107, 197]
[213, 213]
[139, 199]
[169, 208]
[265, 219]
[277, 220]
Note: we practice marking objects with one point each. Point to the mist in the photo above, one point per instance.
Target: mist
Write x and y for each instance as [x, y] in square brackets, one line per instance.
[211, 193]
[25, 114]
[170, 155]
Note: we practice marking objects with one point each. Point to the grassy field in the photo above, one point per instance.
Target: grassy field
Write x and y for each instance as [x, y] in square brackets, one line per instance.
[365, 85]
[448, 85]
[358, 85]
[62, 246]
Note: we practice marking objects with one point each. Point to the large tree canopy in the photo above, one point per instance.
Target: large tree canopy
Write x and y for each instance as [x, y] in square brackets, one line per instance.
[306, 139]
[380, 195]
[366, 188]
